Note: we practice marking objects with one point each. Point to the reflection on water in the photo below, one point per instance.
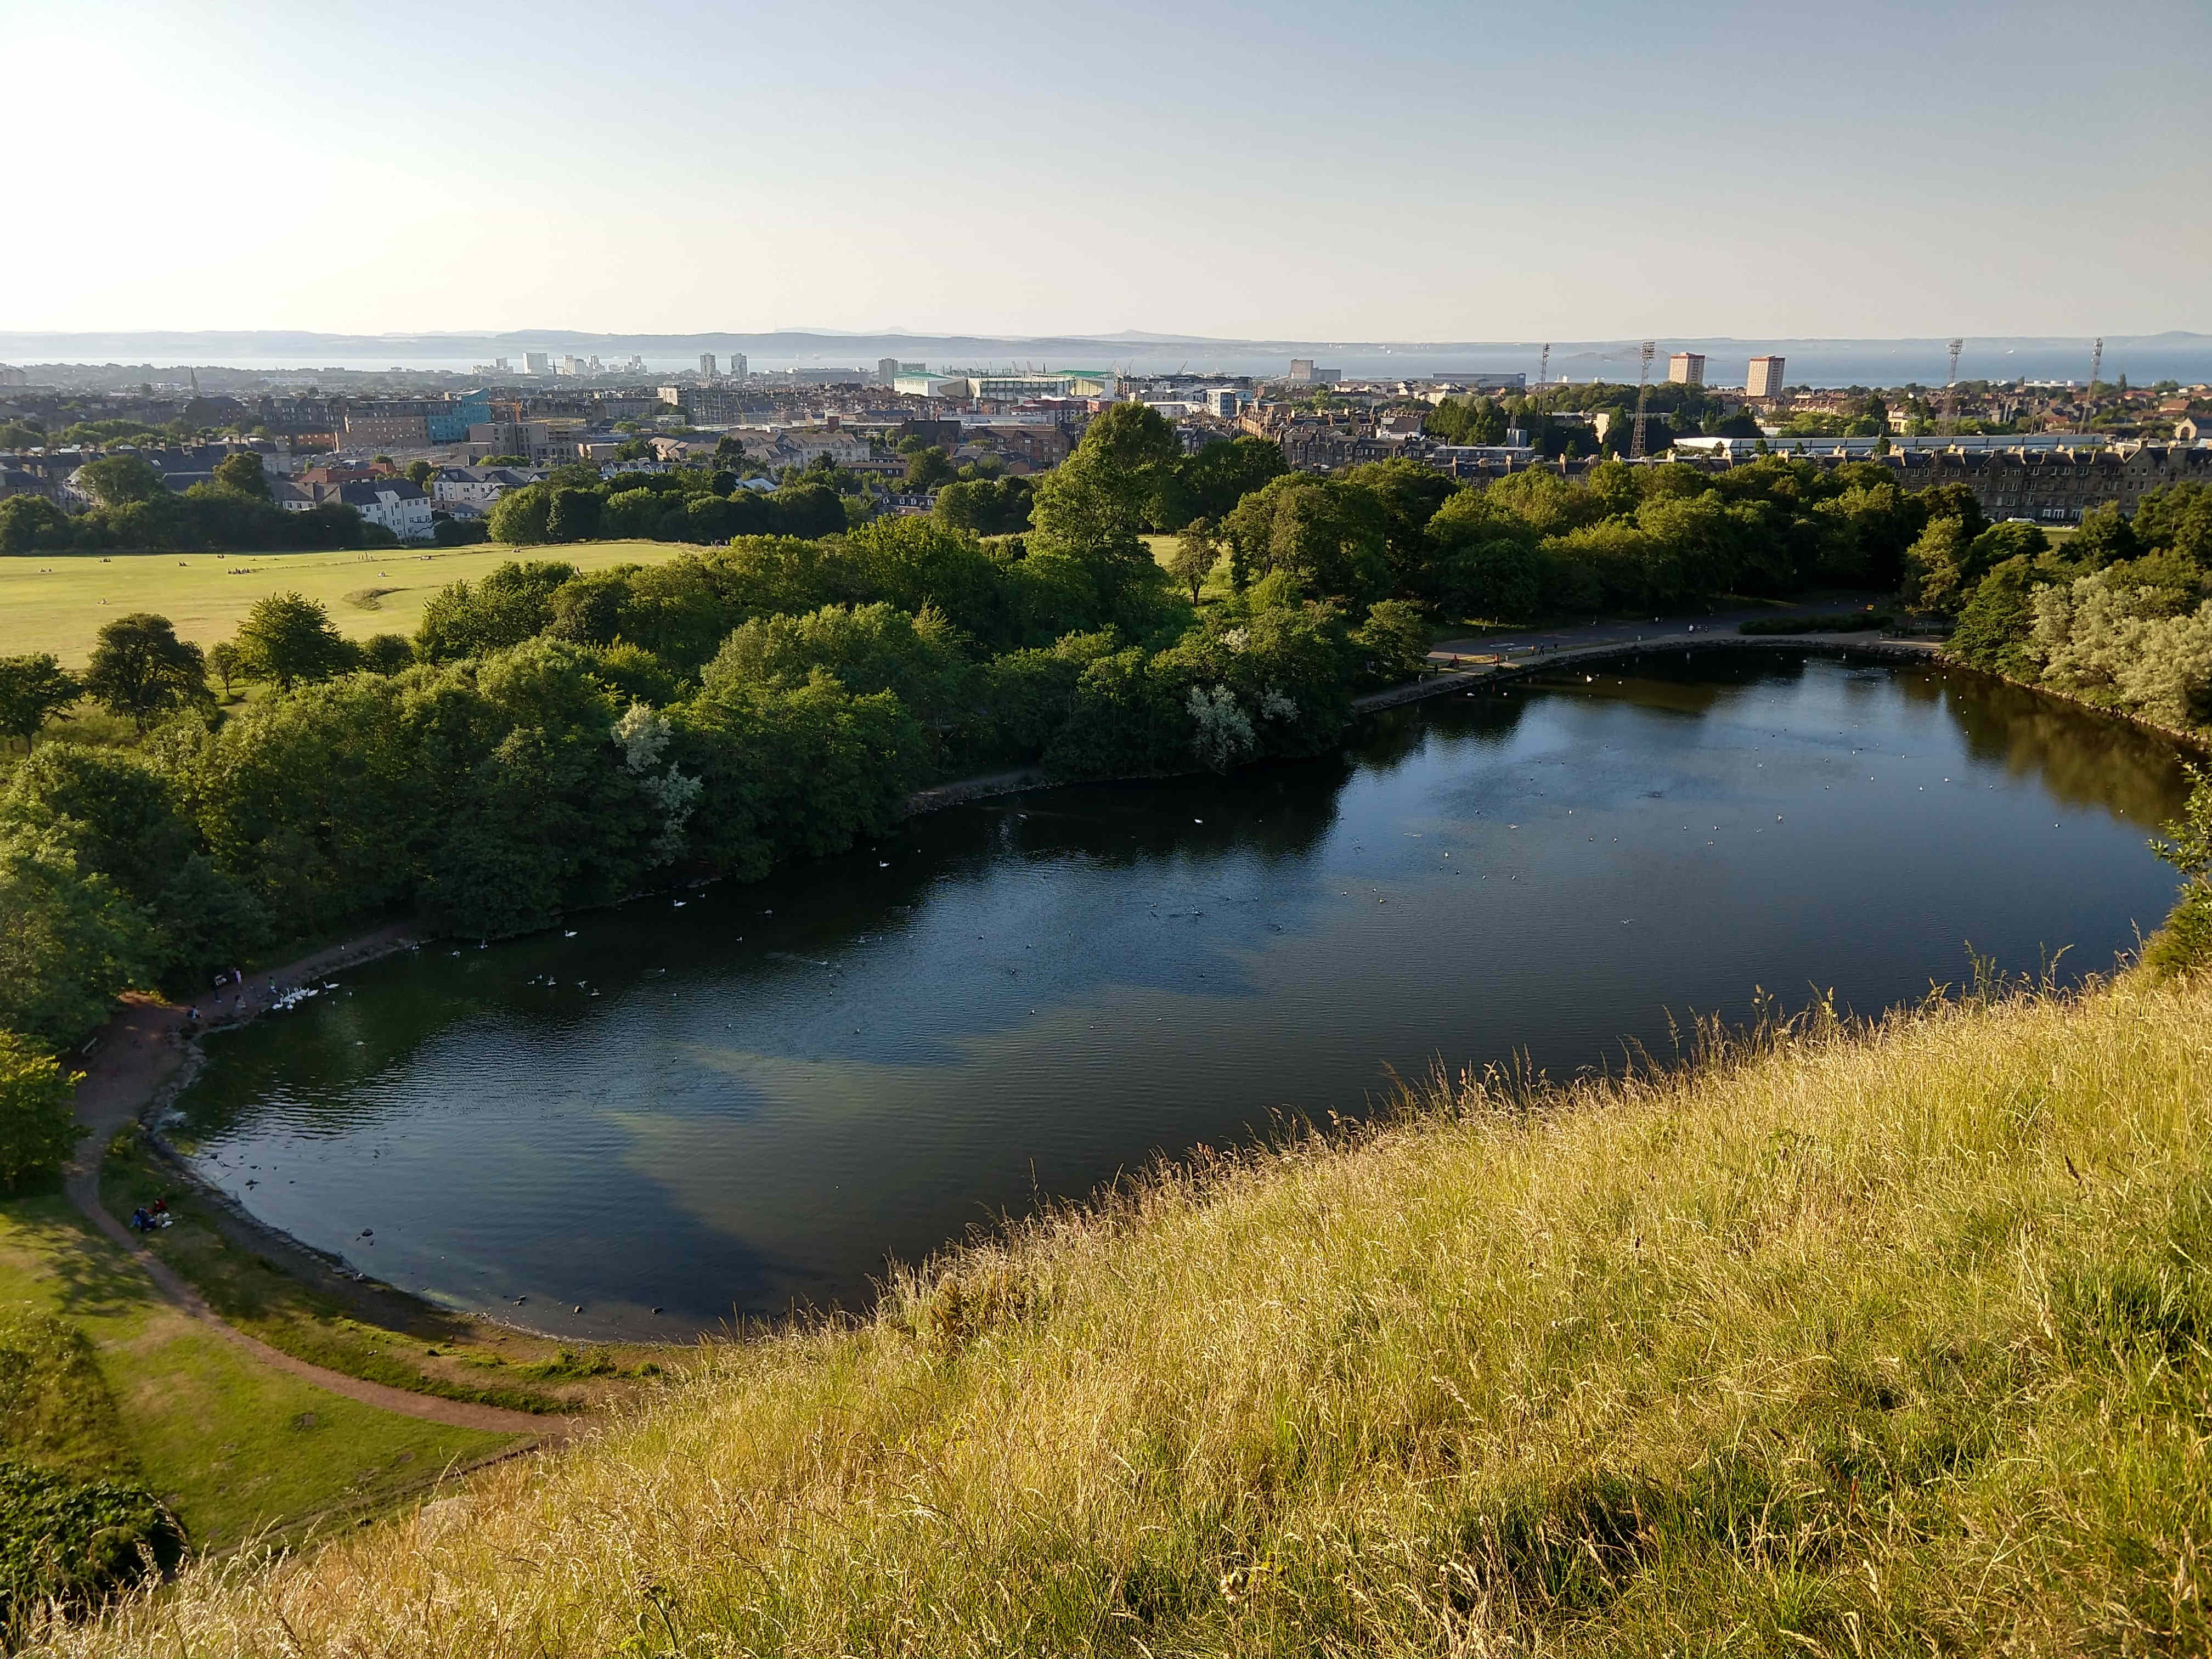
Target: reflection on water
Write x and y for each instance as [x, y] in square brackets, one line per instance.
[747, 1101]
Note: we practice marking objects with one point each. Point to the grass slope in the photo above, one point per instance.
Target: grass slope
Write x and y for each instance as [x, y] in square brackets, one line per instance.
[232, 1445]
[1872, 1343]
[57, 602]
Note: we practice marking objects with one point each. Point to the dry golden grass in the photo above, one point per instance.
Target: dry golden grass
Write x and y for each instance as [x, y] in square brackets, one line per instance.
[1885, 1341]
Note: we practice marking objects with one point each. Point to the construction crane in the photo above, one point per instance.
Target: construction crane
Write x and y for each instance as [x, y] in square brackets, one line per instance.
[1642, 399]
[1951, 392]
[2090, 392]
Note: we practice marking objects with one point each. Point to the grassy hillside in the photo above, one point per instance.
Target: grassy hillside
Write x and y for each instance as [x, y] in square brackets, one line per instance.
[1885, 1343]
[56, 601]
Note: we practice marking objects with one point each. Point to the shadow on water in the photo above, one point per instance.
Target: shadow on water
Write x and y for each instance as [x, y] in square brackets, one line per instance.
[745, 1099]
[2082, 758]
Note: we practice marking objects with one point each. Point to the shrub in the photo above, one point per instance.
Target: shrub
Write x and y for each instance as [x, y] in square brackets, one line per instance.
[76, 1542]
[2183, 945]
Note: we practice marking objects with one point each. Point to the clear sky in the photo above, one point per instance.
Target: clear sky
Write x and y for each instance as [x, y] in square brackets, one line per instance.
[1400, 171]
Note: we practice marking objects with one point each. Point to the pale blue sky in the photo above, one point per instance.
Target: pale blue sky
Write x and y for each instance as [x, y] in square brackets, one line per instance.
[1317, 171]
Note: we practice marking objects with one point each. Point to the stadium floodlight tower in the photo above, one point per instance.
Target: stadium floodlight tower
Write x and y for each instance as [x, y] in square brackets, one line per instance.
[1544, 367]
[2096, 367]
[1951, 392]
[1642, 399]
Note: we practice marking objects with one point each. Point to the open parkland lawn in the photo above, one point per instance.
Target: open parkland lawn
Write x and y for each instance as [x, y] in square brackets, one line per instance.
[56, 601]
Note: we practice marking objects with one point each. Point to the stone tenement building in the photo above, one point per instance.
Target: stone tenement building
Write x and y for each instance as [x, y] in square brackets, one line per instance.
[2056, 486]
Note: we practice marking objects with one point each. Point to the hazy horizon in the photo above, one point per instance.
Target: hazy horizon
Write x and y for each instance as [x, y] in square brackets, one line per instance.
[1922, 359]
[1294, 172]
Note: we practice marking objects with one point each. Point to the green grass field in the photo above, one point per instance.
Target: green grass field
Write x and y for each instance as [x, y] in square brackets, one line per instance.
[234, 1446]
[55, 602]
[1850, 1343]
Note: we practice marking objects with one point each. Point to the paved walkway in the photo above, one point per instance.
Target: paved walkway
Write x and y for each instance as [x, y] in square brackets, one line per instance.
[136, 1052]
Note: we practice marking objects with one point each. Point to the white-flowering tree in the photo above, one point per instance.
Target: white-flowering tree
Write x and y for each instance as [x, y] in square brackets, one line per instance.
[1221, 732]
[642, 733]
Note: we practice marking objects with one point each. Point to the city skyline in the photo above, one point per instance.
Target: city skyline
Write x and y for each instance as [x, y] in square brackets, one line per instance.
[1598, 170]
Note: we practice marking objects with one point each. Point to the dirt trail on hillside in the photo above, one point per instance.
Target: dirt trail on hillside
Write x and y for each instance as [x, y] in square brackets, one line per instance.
[138, 1051]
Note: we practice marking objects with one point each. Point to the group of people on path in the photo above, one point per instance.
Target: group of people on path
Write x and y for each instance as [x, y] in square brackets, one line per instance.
[233, 976]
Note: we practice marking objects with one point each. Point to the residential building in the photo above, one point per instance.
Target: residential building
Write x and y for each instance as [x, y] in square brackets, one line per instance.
[471, 489]
[707, 364]
[393, 504]
[371, 429]
[803, 445]
[1222, 402]
[386, 421]
[1686, 368]
[537, 362]
[541, 443]
[1763, 378]
[1026, 447]
[737, 365]
[707, 405]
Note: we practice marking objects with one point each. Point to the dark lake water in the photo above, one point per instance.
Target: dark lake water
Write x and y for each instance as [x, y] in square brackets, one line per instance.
[749, 1101]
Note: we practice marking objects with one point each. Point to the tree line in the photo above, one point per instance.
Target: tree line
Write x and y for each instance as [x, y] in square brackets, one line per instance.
[2120, 614]
[134, 509]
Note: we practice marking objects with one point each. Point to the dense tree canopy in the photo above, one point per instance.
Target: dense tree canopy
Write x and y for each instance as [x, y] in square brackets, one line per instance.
[2121, 614]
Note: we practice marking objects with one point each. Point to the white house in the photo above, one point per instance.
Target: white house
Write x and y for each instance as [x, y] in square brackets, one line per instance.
[474, 488]
[394, 503]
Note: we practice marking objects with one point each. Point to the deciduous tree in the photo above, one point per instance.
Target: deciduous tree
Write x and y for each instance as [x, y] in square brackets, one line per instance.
[243, 473]
[34, 690]
[114, 480]
[142, 668]
[287, 638]
[37, 1125]
[1198, 549]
